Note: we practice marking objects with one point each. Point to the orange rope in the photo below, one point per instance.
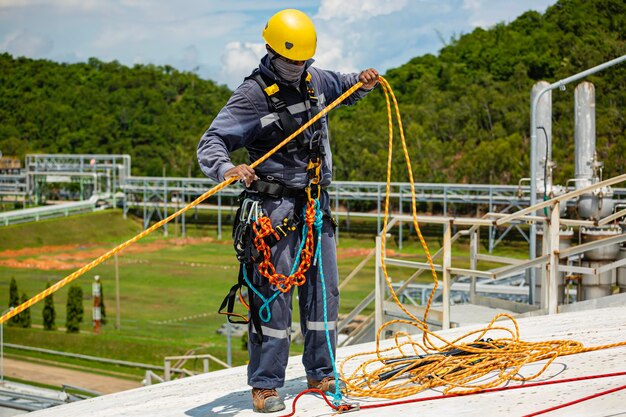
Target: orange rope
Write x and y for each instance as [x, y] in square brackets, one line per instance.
[263, 228]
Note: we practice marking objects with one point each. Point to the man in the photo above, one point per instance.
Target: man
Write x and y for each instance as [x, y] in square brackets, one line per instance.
[284, 93]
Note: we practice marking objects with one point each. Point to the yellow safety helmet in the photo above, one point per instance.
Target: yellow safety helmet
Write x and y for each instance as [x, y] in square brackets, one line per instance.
[291, 34]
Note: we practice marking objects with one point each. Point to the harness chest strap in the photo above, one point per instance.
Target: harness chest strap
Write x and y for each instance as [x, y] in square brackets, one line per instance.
[277, 104]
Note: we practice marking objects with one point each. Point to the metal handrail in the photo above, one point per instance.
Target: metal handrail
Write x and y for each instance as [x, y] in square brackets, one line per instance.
[550, 259]
[39, 213]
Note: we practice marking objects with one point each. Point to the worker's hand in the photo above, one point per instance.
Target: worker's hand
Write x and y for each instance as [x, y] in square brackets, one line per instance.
[244, 172]
[369, 78]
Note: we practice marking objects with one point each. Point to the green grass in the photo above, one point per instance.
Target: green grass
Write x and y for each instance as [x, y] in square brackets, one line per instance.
[171, 283]
[157, 289]
[100, 227]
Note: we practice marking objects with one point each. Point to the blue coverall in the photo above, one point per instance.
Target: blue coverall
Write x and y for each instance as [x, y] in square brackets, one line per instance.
[247, 121]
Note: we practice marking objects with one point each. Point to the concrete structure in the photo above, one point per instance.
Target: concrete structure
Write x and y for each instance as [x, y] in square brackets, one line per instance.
[225, 392]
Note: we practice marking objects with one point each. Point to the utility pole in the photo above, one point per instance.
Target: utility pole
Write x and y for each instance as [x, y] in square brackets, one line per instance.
[117, 293]
[97, 309]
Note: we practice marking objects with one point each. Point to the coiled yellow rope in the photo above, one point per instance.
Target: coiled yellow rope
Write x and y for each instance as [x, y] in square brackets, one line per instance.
[461, 365]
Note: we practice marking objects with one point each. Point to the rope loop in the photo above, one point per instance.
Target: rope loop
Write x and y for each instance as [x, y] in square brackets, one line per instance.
[319, 216]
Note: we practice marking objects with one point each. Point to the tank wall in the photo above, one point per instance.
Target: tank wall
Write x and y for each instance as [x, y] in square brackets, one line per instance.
[585, 132]
[544, 128]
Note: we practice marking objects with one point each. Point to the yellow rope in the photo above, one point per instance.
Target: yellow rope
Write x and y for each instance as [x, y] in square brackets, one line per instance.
[422, 364]
[60, 284]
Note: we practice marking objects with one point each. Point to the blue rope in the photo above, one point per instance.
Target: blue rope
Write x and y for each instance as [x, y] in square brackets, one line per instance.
[319, 217]
[265, 307]
[265, 312]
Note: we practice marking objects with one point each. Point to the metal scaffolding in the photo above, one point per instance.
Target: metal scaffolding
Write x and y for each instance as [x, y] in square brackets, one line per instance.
[507, 282]
[109, 178]
[156, 194]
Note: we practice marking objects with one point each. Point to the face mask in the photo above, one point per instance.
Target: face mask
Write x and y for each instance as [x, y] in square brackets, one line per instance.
[285, 70]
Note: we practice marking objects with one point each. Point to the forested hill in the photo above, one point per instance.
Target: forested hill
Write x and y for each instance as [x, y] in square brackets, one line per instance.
[465, 111]
[155, 114]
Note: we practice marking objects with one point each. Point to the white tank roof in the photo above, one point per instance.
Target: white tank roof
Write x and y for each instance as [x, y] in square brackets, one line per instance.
[226, 393]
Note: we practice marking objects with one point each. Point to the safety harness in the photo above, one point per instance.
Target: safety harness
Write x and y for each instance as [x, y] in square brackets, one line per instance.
[278, 105]
[253, 232]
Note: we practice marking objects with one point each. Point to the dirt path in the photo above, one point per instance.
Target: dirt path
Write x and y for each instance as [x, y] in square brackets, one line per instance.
[56, 376]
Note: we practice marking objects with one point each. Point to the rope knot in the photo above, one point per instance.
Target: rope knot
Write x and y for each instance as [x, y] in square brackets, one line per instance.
[319, 216]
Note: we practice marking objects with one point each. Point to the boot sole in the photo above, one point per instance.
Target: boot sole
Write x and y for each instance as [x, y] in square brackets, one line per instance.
[268, 410]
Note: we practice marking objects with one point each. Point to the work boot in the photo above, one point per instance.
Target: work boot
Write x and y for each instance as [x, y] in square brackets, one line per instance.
[266, 401]
[327, 384]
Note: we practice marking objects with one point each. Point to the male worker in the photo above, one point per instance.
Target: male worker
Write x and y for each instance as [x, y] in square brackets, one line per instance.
[284, 93]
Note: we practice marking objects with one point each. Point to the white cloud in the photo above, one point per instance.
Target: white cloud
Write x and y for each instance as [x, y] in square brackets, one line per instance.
[486, 13]
[474, 5]
[189, 34]
[124, 33]
[214, 26]
[238, 61]
[334, 53]
[25, 43]
[335, 59]
[116, 36]
[353, 10]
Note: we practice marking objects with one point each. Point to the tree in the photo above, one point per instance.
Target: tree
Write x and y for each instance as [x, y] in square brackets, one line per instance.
[103, 312]
[24, 317]
[14, 301]
[48, 313]
[75, 309]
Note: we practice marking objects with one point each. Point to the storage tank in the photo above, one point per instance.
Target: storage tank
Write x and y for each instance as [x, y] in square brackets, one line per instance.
[603, 253]
[599, 284]
[588, 170]
[596, 285]
[621, 272]
[565, 241]
[544, 137]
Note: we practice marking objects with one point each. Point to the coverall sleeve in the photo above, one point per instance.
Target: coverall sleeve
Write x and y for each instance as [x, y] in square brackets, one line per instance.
[233, 127]
[335, 84]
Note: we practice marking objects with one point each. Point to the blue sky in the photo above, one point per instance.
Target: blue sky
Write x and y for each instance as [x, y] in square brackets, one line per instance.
[221, 39]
